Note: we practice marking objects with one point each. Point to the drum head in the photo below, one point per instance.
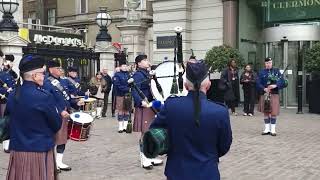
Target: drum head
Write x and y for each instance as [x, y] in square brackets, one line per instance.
[81, 117]
[162, 71]
[88, 100]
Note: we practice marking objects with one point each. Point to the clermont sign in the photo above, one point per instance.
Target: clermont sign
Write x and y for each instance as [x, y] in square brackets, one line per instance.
[291, 10]
[165, 42]
[54, 38]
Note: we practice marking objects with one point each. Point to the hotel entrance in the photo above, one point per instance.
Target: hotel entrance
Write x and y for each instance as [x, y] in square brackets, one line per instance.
[287, 45]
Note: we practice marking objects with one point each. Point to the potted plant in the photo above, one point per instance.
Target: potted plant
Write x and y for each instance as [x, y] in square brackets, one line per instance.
[312, 65]
[217, 59]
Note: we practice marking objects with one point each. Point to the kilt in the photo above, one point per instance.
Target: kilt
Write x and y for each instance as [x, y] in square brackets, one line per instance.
[31, 166]
[275, 104]
[142, 119]
[61, 136]
[119, 103]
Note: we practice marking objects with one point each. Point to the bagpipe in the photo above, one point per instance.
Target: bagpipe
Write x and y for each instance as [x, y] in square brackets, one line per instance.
[168, 77]
[272, 79]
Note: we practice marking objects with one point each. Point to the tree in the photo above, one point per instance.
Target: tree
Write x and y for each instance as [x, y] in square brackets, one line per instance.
[219, 56]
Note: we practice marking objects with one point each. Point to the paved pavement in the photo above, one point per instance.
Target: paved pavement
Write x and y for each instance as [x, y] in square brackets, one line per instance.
[292, 155]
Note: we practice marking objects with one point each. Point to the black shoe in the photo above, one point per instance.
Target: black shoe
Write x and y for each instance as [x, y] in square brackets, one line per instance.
[273, 134]
[58, 170]
[263, 133]
[120, 131]
[148, 167]
[104, 115]
[6, 151]
[65, 169]
[113, 115]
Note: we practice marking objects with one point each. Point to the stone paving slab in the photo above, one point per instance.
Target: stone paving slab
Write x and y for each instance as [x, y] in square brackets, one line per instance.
[292, 155]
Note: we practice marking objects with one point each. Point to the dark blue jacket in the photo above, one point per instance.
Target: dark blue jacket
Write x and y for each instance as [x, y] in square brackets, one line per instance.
[33, 119]
[142, 80]
[263, 80]
[60, 100]
[120, 82]
[194, 151]
[72, 88]
[8, 79]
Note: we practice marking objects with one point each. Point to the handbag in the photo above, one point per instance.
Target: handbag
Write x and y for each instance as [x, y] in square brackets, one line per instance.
[93, 90]
[4, 128]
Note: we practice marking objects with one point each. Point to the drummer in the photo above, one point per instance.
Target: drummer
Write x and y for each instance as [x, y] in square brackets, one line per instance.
[74, 82]
[56, 87]
[120, 83]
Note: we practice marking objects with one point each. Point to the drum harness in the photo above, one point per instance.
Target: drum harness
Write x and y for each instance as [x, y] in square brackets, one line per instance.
[58, 85]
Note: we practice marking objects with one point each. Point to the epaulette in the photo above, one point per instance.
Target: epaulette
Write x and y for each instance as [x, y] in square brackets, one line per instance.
[43, 91]
[219, 103]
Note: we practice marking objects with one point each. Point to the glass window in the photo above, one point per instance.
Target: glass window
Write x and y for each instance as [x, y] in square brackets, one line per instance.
[51, 16]
[83, 6]
[32, 15]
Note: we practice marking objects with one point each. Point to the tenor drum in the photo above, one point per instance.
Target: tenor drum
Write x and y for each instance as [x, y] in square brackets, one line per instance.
[164, 73]
[90, 106]
[79, 126]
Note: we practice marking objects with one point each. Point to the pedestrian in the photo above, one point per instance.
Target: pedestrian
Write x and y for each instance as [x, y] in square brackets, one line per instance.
[99, 85]
[123, 98]
[189, 121]
[229, 83]
[108, 80]
[33, 124]
[56, 86]
[269, 84]
[143, 115]
[248, 81]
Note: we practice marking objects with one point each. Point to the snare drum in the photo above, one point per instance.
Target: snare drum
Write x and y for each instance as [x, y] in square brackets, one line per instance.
[90, 106]
[79, 126]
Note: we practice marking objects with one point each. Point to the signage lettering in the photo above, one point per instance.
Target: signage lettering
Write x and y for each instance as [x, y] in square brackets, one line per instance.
[38, 38]
[291, 4]
[165, 42]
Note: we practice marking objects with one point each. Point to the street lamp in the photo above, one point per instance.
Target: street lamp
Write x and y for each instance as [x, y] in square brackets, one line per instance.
[8, 7]
[103, 20]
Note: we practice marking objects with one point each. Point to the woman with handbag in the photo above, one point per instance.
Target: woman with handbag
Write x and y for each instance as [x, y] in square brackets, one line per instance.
[229, 83]
[123, 98]
[97, 88]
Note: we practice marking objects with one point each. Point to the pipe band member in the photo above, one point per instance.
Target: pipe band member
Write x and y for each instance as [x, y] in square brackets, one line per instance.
[56, 86]
[143, 115]
[34, 121]
[123, 99]
[269, 83]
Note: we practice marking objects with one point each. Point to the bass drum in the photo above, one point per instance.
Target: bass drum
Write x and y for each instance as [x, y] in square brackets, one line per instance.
[164, 73]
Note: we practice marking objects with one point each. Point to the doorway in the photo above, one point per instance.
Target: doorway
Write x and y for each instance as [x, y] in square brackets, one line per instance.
[287, 45]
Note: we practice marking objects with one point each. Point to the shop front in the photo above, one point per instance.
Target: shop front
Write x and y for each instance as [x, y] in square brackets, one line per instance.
[69, 49]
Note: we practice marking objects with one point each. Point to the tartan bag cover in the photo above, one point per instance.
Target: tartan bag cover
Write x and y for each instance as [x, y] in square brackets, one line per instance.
[155, 142]
[4, 128]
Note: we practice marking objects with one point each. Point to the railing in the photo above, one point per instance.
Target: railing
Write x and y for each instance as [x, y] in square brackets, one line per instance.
[49, 28]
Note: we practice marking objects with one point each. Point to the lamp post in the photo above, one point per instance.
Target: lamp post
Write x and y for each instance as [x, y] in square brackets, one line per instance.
[8, 7]
[103, 20]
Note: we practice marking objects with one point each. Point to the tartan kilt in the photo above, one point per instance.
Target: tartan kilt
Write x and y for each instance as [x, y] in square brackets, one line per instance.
[275, 104]
[143, 117]
[31, 166]
[61, 136]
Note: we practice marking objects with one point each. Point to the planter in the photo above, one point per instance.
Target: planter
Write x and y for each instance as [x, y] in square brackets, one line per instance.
[314, 96]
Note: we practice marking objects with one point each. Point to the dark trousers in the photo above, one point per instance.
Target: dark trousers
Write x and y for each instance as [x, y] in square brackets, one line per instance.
[113, 108]
[249, 99]
[105, 104]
